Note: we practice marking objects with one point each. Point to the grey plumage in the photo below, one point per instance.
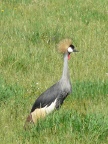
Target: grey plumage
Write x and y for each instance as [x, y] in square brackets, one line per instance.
[54, 96]
[58, 91]
[46, 98]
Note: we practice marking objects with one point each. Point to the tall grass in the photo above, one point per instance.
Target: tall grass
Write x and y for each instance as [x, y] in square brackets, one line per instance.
[30, 63]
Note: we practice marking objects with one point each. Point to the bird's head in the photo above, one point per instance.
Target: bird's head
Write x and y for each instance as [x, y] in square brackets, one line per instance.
[65, 46]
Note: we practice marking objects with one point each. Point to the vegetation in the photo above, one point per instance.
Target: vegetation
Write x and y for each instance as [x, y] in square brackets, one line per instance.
[30, 63]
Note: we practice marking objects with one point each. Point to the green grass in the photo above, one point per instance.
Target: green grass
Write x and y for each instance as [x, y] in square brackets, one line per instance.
[30, 63]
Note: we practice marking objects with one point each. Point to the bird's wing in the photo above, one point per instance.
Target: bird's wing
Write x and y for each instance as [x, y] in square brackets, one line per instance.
[60, 99]
[47, 97]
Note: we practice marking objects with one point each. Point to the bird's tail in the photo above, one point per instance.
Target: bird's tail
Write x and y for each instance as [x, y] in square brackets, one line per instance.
[28, 122]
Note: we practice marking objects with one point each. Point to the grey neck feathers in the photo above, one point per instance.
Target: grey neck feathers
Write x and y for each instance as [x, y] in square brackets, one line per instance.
[65, 74]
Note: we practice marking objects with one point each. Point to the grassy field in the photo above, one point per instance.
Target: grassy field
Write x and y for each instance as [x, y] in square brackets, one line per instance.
[30, 63]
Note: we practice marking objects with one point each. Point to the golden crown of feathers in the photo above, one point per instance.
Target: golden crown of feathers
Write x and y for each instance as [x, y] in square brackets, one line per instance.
[63, 45]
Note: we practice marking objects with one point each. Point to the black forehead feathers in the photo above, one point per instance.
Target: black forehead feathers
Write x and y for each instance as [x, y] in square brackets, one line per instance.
[72, 46]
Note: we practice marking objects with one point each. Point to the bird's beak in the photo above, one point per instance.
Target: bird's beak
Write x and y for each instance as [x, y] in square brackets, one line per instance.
[74, 50]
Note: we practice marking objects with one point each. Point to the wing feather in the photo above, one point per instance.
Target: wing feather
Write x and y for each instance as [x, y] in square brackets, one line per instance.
[47, 97]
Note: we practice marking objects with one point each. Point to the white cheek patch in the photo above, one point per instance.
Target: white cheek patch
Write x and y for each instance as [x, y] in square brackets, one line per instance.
[70, 49]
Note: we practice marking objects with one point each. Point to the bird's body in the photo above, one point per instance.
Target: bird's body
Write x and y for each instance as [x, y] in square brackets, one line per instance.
[54, 96]
[49, 96]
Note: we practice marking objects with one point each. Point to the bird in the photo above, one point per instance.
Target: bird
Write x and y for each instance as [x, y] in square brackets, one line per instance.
[53, 98]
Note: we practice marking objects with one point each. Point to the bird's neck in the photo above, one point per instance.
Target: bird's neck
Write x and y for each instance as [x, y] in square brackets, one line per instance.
[65, 74]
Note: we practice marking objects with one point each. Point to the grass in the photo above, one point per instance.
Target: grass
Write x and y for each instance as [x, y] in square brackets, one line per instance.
[30, 63]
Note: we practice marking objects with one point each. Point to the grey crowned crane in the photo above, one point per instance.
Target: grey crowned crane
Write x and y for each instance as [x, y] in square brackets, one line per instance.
[54, 96]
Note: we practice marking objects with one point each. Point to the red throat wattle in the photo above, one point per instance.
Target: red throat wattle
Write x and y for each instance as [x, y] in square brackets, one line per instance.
[68, 56]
